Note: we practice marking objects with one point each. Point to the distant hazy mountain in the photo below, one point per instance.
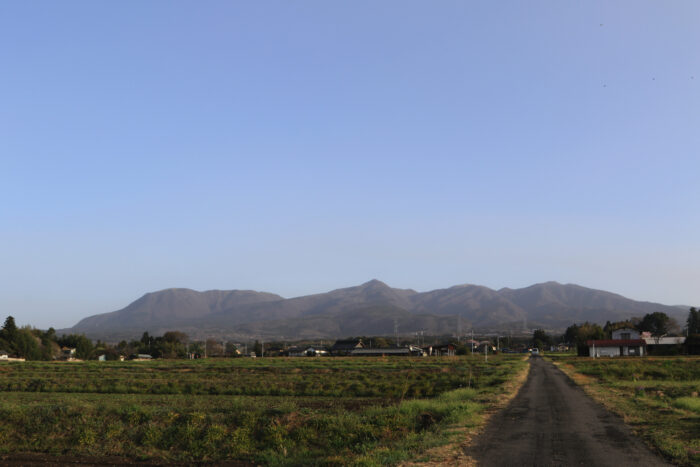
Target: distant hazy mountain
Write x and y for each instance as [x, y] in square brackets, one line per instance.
[372, 308]
[170, 307]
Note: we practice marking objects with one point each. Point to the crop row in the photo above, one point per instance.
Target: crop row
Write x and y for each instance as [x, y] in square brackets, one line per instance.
[280, 430]
[274, 377]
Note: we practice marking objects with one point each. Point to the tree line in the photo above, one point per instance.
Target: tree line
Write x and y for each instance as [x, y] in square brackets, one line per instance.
[35, 344]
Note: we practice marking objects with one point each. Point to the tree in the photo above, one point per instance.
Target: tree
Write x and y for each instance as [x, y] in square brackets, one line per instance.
[541, 339]
[693, 322]
[580, 333]
[27, 344]
[657, 323]
[214, 347]
[9, 330]
[175, 336]
[82, 345]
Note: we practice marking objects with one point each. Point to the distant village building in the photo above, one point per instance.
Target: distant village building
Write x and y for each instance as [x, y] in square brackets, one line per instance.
[4, 355]
[663, 345]
[625, 333]
[472, 344]
[316, 352]
[346, 346]
[625, 342]
[68, 353]
[142, 357]
[665, 340]
[447, 350]
[410, 351]
[296, 351]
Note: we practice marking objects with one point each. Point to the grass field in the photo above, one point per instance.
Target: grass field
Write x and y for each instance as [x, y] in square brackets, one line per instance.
[277, 411]
[657, 397]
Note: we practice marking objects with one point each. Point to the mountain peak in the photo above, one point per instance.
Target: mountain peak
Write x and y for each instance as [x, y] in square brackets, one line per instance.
[374, 283]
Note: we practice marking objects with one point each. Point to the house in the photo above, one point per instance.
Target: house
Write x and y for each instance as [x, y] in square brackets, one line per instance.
[626, 333]
[142, 357]
[4, 355]
[316, 352]
[664, 340]
[410, 351]
[628, 342]
[296, 351]
[447, 350]
[472, 344]
[663, 345]
[625, 342]
[346, 346]
[616, 347]
[68, 353]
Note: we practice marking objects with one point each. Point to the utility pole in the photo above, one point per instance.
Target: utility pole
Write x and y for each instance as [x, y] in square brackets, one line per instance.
[471, 344]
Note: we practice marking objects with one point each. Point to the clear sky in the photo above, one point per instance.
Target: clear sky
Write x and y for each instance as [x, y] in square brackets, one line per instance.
[297, 147]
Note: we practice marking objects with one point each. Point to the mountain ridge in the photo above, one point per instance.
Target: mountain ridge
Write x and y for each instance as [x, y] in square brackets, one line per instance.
[248, 313]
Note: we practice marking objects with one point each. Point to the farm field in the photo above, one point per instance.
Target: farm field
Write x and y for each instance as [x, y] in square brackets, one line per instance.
[656, 396]
[273, 411]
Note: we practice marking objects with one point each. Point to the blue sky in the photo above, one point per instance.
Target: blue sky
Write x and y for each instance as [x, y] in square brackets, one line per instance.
[297, 147]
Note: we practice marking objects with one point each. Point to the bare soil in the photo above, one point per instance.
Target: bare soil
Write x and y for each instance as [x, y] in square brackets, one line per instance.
[552, 422]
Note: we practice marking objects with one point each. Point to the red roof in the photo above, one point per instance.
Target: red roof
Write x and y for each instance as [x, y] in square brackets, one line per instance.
[615, 342]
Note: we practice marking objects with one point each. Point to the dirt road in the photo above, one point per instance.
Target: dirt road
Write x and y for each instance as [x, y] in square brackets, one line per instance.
[552, 422]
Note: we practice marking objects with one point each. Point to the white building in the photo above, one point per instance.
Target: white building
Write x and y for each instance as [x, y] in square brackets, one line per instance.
[626, 333]
[625, 342]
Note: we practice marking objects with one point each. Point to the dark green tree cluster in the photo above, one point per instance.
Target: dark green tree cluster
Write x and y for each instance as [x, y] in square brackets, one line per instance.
[692, 342]
[35, 344]
[657, 323]
[172, 344]
[26, 342]
[578, 334]
[541, 340]
[84, 349]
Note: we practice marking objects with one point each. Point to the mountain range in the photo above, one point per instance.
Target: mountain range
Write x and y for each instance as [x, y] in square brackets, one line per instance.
[372, 308]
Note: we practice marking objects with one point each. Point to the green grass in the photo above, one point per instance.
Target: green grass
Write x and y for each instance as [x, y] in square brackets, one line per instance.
[278, 411]
[688, 403]
[657, 396]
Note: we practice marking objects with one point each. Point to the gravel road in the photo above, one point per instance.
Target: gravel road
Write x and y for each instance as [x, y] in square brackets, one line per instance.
[552, 422]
